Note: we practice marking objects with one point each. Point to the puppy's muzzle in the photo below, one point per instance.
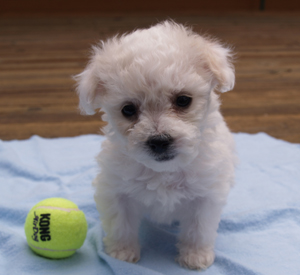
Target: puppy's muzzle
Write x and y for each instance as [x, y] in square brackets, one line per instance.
[161, 147]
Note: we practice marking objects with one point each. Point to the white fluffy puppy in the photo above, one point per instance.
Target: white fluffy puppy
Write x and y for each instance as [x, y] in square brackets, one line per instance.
[169, 154]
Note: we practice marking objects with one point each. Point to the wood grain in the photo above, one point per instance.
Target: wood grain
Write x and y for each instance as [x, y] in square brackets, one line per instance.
[103, 6]
[39, 55]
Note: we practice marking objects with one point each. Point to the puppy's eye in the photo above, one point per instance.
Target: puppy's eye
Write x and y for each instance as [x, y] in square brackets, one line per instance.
[129, 110]
[183, 101]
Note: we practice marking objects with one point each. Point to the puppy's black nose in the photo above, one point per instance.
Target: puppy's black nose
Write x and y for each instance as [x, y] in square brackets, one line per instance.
[160, 143]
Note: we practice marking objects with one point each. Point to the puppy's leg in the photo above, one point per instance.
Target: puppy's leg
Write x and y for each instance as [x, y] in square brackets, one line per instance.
[198, 234]
[120, 220]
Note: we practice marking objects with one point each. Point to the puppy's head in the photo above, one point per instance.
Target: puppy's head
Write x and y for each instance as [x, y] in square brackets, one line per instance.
[155, 87]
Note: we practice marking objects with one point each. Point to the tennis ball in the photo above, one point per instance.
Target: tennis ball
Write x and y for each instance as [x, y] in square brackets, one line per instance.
[55, 228]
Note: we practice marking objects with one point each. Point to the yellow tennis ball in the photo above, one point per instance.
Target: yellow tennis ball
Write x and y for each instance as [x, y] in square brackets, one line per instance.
[55, 228]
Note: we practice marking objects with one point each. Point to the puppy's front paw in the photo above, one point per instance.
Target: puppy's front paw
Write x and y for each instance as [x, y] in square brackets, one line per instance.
[129, 254]
[125, 254]
[196, 259]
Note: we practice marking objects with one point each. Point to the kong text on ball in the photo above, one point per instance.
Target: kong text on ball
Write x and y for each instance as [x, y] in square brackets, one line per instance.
[55, 228]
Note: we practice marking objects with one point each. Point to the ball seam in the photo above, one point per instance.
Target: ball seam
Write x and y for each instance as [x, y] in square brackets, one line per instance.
[57, 208]
[52, 250]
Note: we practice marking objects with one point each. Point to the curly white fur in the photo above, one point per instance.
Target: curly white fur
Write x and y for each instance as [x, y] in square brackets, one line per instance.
[149, 69]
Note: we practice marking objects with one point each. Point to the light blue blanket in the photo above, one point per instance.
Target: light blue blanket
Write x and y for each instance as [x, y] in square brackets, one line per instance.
[259, 232]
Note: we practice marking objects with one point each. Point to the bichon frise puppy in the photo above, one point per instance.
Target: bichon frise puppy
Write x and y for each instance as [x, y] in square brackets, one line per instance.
[168, 154]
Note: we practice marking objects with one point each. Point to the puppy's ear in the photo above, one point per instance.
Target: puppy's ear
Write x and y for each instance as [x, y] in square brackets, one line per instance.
[89, 89]
[219, 63]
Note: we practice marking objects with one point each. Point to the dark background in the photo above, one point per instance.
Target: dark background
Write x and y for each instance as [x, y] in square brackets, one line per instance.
[92, 6]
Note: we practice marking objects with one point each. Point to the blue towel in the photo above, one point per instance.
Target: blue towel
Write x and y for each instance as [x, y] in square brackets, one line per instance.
[259, 231]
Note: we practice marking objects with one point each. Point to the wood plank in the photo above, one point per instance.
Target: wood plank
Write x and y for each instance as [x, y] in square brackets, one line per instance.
[279, 5]
[76, 6]
[286, 127]
[49, 129]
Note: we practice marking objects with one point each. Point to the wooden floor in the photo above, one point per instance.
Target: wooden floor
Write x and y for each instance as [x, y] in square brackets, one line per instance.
[39, 55]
